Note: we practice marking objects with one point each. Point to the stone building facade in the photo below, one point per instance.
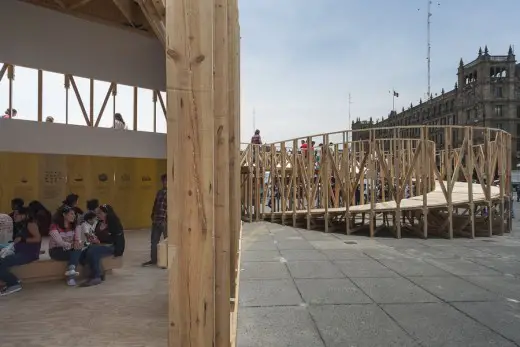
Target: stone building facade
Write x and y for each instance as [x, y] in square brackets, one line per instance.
[487, 93]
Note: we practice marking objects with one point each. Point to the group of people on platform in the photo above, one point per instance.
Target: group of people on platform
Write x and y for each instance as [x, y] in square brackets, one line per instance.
[119, 122]
[74, 237]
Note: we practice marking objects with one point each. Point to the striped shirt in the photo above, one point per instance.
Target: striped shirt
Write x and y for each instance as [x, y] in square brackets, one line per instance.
[63, 238]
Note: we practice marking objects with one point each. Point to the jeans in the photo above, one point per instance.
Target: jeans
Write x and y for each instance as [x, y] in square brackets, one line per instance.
[93, 258]
[71, 256]
[158, 229]
[12, 260]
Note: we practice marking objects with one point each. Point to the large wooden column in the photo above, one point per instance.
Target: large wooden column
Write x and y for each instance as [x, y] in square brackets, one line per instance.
[190, 141]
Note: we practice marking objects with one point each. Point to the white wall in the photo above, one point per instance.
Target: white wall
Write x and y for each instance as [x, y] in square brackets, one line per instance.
[52, 138]
[36, 37]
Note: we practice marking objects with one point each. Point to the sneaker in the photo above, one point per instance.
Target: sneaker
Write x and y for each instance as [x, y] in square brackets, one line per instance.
[71, 271]
[71, 282]
[10, 290]
[148, 263]
[92, 282]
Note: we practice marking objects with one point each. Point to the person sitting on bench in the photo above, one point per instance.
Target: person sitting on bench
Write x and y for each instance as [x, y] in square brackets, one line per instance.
[26, 247]
[65, 242]
[6, 230]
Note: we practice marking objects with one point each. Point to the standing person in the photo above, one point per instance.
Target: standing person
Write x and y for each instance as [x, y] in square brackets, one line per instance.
[256, 139]
[119, 122]
[23, 250]
[159, 221]
[109, 241]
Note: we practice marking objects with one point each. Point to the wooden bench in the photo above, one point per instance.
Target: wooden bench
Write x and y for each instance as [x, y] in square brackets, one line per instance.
[46, 269]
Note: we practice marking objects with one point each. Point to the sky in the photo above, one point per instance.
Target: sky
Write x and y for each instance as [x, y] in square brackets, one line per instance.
[301, 59]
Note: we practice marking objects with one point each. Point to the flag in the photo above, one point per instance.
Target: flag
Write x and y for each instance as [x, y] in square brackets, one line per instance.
[396, 94]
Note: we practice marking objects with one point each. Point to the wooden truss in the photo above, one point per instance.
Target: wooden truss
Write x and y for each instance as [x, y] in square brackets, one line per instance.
[389, 182]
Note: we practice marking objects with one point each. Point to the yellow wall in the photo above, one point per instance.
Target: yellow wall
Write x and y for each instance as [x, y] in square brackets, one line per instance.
[128, 184]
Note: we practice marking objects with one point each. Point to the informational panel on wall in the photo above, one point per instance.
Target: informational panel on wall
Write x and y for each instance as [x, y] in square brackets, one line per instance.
[53, 178]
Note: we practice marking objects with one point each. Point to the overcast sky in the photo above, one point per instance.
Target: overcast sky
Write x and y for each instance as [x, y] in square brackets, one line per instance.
[301, 59]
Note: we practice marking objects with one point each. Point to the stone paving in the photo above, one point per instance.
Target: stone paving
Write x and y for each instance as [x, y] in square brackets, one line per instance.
[307, 288]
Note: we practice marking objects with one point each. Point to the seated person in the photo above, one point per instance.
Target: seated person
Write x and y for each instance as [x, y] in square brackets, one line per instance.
[26, 248]
[65, 242]
[110, 233]
[15, 204]
[88, 228]
[42, 216]
[72, 201]
[6, 230]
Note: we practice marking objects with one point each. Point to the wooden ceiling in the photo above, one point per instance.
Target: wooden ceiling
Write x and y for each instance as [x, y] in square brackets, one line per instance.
[143, 16]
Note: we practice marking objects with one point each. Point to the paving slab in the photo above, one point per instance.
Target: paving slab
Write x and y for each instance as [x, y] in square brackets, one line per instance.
[260, 256]
[503, 317]
[504, 266]
[344, 254]
[258, 246]
[413, 267]
[276, 326]
[393, 290]
[440, 325]
[313, 235]
[269, 293]
[264, 270]
[385, 252]
[453, 288]
[294, 244]
[331, 291]
[364, 268]
[358, 325]
[309, 254]
[463, 267]
[314, 269]
[507, 286]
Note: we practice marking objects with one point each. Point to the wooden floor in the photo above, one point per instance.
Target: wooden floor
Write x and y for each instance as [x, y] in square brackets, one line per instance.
[435, 199]
[129, 309]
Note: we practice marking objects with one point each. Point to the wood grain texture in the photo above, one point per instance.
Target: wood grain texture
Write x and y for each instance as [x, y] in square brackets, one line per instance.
[190, 141]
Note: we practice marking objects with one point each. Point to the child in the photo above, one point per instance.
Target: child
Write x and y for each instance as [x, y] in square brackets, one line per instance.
[88, 227]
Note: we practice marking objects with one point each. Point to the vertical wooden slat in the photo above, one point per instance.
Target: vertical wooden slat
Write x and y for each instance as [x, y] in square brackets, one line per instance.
[489, 179]
[136, 96]
[91, 110]
[154, 100]
[67, 87]
[470, 167]
[325, 178]
[310, 179]
[372, 169]
[283, 180]
[114, 94]
[40, 95]
[448, 164]
[425, 173]
[222, 205]
[295, 182]
[190, 152]
[10, 76]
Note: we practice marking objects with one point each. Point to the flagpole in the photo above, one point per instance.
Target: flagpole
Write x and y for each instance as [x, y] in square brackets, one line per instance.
[393, 100]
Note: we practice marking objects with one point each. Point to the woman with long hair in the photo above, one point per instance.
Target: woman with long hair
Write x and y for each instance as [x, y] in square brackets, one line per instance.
[41, 215]
[110, 234]
[65, 241]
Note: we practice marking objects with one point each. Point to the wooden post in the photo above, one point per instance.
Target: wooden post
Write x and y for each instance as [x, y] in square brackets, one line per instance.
[91, 110]
[425, 173]
[222, 171]
[10, 76]
[274, 176]
[294, 179]
[448, 164]
[136, 95]
[154, 99]
[283, 180]
[310, 179]
[325, 179]
[190, 152]
[67, 87]
[40, 95]
[470, 167]
[372, 180]
[348, 183]
[489, 179]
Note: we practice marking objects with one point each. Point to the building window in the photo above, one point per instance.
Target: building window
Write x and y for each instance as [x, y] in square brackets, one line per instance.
[499, 110]
[499, 93]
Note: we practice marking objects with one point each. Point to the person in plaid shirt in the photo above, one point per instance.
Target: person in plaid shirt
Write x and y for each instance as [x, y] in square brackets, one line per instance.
[159, 221]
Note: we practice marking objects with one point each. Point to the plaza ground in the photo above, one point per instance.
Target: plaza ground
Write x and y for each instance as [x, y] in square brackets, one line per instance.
[299, 288]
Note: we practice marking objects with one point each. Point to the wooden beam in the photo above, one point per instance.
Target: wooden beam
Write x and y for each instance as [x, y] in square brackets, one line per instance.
[105, 102]
[60, 4]
[91, 114]
[127, 8]
[222, 171]
[136, 97]
[160, 7]
[10, 76]
[80, 101]
[40, 95]
[78, 5]
[161, 101]
[154, 19]
[190, 117]
[3, 70]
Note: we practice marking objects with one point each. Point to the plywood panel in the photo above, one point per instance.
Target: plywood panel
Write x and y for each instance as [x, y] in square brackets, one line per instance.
[20, 177]
[101, 179]
[145, 188]
[52, 180]
[124, 195]
[78, 173]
